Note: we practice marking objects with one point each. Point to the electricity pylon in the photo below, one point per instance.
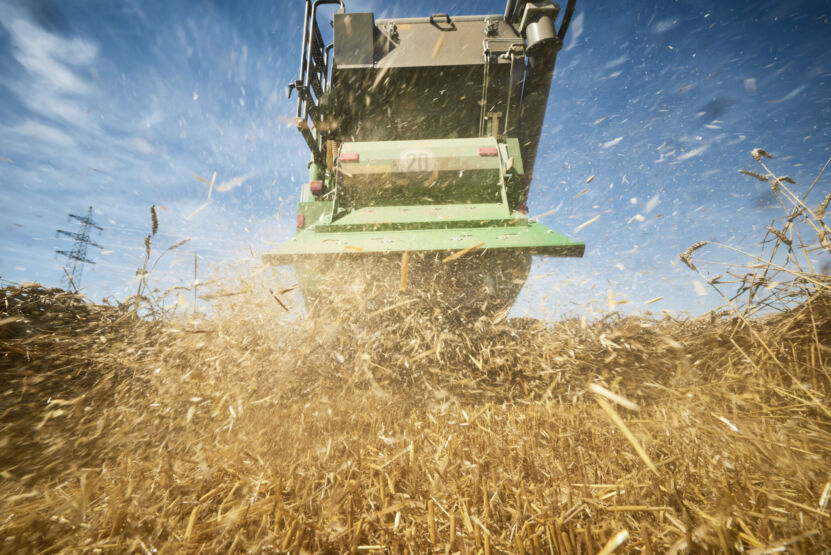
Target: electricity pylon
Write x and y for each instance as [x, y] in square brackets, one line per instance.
[77, 257]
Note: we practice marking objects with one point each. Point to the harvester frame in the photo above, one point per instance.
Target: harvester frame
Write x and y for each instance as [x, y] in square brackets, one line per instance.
[423, 135]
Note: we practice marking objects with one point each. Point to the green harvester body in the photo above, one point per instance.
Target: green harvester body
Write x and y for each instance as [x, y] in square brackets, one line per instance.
[423, 134]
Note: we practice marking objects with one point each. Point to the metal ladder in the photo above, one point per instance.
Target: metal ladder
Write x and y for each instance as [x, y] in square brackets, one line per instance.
[314, 78]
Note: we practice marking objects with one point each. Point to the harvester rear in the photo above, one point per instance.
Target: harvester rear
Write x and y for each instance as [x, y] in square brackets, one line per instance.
[423, 135]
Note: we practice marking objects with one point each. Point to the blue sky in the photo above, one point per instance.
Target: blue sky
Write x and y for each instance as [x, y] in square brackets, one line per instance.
[119, 105]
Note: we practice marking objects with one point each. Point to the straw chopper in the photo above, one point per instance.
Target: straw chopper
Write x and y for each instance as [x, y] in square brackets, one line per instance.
[423, 135]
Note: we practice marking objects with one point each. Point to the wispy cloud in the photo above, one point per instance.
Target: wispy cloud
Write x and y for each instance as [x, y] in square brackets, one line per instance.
[143, 146]
[575, 31]
[48, 58]
[38, 131]
[54, 86]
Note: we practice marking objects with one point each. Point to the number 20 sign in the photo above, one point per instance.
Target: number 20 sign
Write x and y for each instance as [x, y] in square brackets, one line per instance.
[416, 161]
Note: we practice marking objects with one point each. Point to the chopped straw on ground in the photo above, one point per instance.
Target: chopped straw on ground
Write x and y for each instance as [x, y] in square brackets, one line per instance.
[248, 431]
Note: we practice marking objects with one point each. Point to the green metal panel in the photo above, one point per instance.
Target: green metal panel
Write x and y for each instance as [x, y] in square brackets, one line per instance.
[419, 172]
[445, 216]
[420, 156]
[514, 153]
[535, 238]
[452, 222]
[315, 212]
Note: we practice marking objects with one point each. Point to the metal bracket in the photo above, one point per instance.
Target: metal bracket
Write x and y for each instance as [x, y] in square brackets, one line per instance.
[491, 26]
[391, 30]
[514, 45]
[298, 84]
[532, 10]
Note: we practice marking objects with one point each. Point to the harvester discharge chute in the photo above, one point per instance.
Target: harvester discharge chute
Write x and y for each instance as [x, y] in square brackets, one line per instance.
[423, 134]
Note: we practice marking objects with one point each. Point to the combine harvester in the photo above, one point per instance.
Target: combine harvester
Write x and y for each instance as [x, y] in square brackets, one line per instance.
[423, 135]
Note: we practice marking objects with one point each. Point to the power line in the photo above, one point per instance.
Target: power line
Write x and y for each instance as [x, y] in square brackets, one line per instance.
[77, 257]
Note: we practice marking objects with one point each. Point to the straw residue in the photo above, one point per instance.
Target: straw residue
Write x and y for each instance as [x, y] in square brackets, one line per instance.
[251, 432]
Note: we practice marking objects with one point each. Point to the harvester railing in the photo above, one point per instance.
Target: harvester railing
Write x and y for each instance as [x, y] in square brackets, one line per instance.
[314, 75]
